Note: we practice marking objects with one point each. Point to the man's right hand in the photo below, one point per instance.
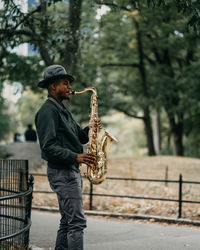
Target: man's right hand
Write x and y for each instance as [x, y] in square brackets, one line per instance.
[86, 158]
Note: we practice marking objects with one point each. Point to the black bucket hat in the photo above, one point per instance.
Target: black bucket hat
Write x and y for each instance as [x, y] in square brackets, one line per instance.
[54, 72]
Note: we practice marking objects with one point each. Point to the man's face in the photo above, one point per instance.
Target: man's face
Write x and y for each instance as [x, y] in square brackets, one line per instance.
[63, 88]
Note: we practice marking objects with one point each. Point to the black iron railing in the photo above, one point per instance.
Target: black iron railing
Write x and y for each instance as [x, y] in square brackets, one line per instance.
[15, 204]
[179, 199]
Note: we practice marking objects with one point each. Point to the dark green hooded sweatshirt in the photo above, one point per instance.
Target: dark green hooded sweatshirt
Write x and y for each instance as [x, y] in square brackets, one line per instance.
[60, 137]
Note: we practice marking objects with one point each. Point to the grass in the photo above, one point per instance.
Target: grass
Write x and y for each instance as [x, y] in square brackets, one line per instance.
[138, 167]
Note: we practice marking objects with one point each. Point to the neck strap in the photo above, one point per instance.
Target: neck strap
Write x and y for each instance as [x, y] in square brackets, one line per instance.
[58, 105]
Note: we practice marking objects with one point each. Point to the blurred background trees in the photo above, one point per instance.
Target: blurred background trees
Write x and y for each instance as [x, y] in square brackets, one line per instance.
[142, 56]
[4, 118]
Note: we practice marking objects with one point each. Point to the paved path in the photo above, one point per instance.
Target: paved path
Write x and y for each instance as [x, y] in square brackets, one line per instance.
[112, 234]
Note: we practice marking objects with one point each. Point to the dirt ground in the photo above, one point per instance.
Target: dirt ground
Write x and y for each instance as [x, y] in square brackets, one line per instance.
[159, 167]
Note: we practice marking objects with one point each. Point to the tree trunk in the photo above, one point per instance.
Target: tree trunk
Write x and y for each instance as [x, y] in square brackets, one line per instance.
[70, 56]
[156, 132]
[43, 49]
[148, 132]
[177, 132]
[146, 109]
[176, 125]
[178, 144]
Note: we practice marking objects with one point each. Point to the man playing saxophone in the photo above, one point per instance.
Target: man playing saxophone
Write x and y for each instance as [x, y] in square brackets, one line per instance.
[61, 140]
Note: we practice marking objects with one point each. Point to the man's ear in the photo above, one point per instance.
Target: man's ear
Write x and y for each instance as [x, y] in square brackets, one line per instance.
[52, 86]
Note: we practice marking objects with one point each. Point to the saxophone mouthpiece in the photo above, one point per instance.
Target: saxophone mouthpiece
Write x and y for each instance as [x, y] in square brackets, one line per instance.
[73, 92]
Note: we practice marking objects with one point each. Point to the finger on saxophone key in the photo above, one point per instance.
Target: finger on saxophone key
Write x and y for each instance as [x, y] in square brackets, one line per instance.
[81, 158]
[91, 158]
[99, 123]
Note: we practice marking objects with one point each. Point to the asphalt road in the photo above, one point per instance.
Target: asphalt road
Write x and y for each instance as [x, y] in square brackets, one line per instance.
[113, 234]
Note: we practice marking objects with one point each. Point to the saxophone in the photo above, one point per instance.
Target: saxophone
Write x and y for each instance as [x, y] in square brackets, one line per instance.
[96, 173]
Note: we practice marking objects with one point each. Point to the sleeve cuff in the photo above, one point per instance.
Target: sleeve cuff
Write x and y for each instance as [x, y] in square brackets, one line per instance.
[73, 157]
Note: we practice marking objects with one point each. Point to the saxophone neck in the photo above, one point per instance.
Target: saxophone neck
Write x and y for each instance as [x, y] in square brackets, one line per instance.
[94, 91]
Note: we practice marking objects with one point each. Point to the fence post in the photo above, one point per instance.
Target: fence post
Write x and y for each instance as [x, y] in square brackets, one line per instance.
[21, 175]
[166, 176]
[180, 196]
[30, 183]
[91, 196]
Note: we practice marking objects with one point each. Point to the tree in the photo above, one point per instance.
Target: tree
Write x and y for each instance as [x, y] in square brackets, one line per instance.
[166, 47]
[55, 30]
[190, 9]
[124, 55]
[171, 54]
[55, 37]
[134, 89]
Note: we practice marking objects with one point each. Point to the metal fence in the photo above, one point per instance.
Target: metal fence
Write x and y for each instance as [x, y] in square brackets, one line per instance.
[179, 199]
[15, 204]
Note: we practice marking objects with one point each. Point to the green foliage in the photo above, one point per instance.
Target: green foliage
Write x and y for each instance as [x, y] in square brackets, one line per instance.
[191, 103]
[24, 69]
[109, 58]
[28, 105]
[187, 8]
[170, 52]
[4, 118]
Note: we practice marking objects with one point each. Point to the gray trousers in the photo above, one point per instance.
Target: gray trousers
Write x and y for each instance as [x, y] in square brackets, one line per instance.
[67, 184]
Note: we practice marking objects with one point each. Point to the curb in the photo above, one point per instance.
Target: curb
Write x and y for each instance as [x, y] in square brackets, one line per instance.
[35, 248]
[152, 218]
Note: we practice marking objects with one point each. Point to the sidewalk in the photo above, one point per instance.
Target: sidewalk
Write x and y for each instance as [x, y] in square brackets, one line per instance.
[35, 247]
[109, 234]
